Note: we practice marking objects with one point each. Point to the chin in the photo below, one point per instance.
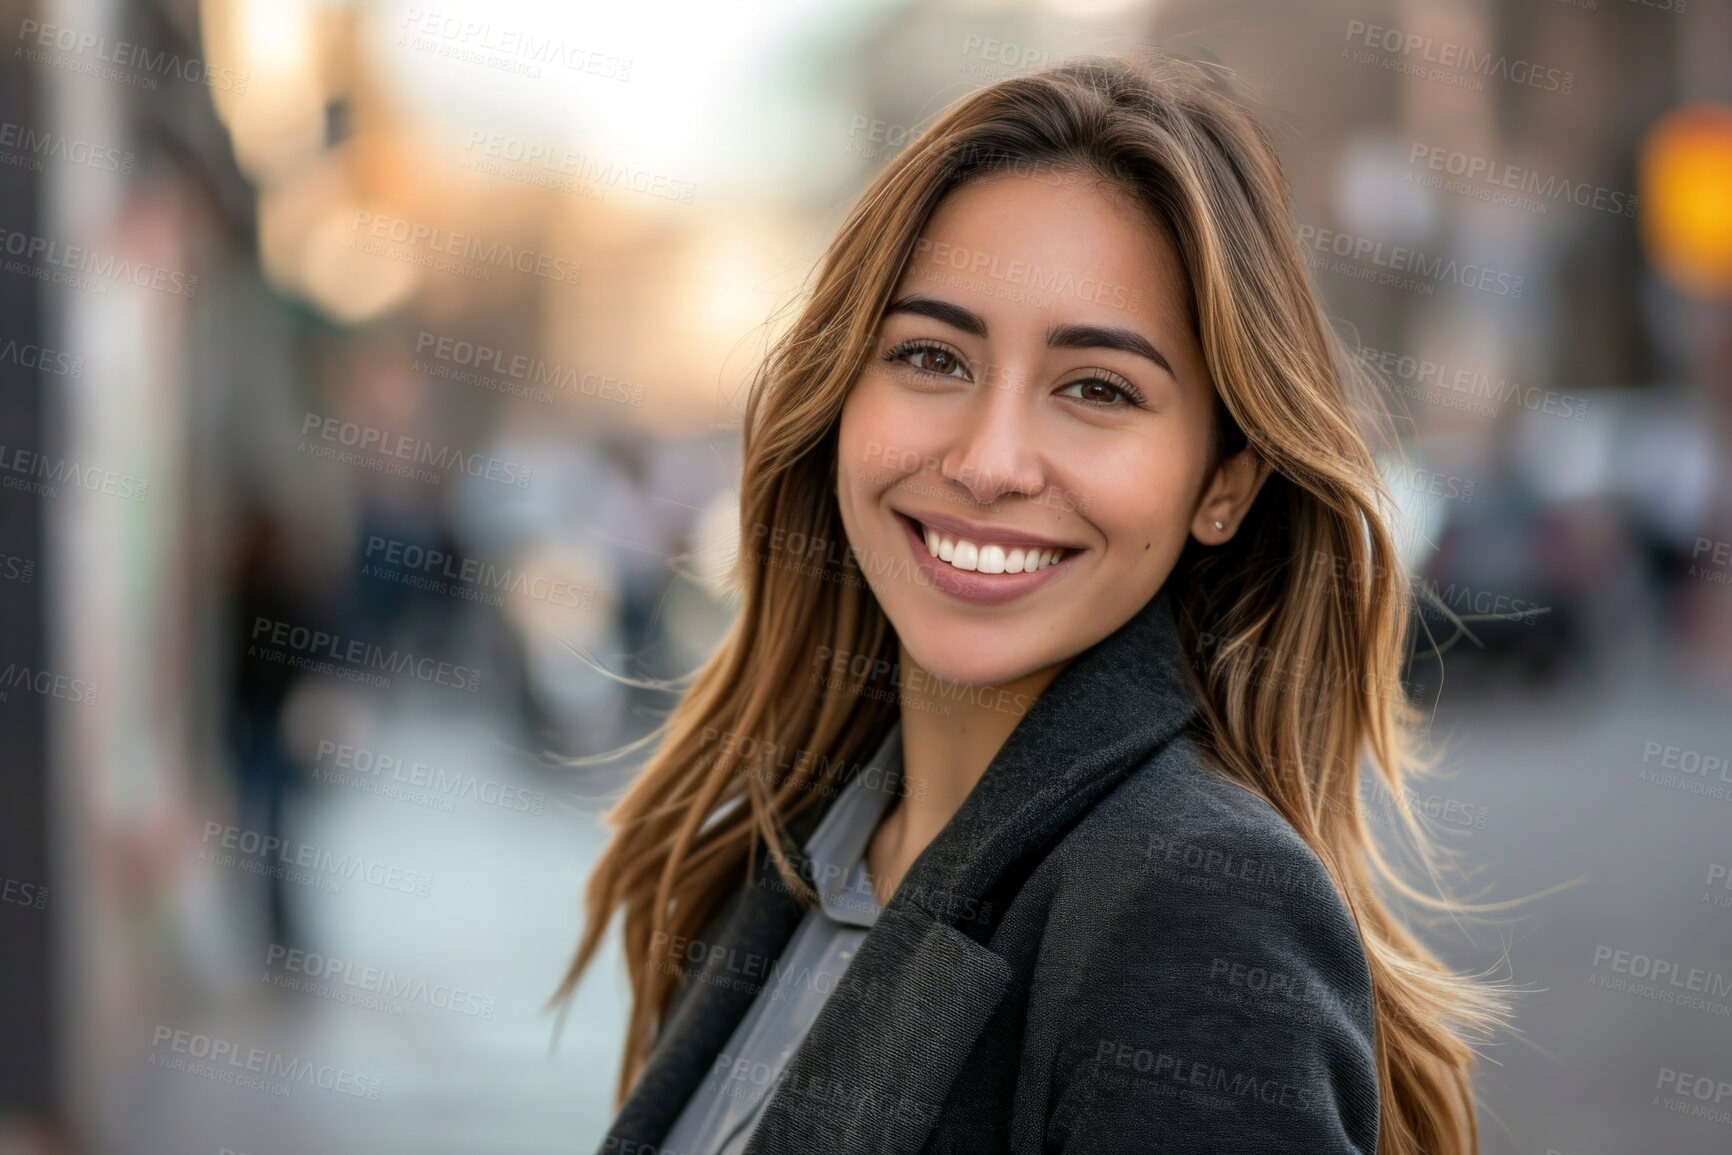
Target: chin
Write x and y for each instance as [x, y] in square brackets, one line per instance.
[979, 654]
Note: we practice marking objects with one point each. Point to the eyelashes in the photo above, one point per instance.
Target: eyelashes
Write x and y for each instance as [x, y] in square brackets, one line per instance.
[1130, 392]
[909, 351]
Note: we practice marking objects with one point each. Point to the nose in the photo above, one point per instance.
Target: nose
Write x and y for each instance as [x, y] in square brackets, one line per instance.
[995, 447]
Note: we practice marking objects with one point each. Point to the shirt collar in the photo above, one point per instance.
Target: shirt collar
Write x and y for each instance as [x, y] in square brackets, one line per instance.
[837, 848]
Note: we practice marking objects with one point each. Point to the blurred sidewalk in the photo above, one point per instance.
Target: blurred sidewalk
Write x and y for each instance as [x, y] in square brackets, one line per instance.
[498, 926]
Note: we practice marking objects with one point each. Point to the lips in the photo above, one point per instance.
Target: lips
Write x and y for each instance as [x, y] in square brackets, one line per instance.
[983, 533]
[974, 586]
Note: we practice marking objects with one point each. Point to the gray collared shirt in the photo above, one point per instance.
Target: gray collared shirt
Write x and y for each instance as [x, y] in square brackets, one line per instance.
[719, 1117]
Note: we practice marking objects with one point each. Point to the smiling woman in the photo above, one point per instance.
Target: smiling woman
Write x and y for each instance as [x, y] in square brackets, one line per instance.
[1071, 857]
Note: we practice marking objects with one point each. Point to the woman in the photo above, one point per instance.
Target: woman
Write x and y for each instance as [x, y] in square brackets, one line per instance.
[1018, 811]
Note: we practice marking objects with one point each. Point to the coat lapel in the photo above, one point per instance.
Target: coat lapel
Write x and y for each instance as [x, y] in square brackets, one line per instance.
[881, 1056]
[746, 935]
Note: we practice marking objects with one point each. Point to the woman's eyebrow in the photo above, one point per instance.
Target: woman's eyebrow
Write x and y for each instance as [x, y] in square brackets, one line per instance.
[1058, 337]
[1106, 337]
[968, 322]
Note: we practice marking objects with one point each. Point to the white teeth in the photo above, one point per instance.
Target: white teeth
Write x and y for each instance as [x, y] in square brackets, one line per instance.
[989, 558]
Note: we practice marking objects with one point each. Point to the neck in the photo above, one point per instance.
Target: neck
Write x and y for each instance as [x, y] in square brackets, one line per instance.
[950, 734]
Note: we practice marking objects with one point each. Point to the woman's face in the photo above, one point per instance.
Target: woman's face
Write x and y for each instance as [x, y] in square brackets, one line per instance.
[1035, 386]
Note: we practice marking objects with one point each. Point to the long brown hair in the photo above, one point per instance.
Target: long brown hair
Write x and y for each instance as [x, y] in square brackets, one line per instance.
[1296, 629]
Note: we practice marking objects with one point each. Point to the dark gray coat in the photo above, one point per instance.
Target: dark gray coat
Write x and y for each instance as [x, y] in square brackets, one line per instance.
[1109, 948]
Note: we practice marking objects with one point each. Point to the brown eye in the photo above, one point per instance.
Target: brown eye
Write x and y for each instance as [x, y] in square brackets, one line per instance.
[1106, 395]
[1101, 391]
[929, 358]
[937, 361]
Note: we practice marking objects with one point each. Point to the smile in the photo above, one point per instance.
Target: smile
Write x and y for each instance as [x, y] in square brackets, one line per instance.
[988, 557]
[983, 572]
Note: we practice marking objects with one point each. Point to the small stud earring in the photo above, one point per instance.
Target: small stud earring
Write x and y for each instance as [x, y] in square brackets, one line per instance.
[1218, 525]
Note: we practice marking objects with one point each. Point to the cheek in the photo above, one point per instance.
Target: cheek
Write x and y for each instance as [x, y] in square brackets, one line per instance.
[1142, 496]
[879, 439]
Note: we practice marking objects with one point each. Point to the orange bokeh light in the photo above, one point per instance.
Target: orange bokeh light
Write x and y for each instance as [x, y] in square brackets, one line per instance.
[1686, 198]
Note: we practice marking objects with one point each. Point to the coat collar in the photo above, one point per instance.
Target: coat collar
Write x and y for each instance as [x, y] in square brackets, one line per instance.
[1102, 716]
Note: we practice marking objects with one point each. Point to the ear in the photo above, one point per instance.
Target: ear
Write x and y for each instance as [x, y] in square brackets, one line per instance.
[1227, 497]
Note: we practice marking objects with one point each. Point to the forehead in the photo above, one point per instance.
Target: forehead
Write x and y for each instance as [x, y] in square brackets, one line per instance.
[1058, 245]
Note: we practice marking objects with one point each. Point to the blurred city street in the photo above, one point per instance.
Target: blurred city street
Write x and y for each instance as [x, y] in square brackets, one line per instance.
[372, 378]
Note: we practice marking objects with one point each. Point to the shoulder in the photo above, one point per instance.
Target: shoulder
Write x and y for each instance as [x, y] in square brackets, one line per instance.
[1201, 972]
[1180, 834]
